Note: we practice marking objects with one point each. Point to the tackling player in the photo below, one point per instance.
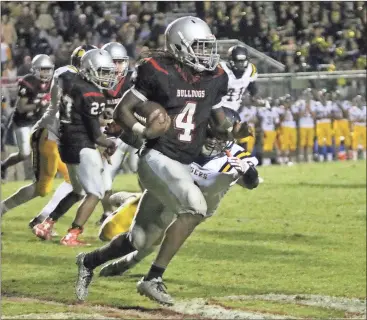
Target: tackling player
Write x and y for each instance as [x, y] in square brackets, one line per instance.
[187, 81]
[33, 98]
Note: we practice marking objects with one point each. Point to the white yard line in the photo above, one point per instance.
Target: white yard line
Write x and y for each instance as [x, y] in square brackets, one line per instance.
[336, 303]
[202, 308]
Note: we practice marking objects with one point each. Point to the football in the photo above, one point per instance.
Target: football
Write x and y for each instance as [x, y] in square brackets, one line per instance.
[154, 117]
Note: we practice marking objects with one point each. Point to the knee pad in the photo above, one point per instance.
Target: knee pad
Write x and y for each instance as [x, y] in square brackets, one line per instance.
[137, 237]
[144, 239]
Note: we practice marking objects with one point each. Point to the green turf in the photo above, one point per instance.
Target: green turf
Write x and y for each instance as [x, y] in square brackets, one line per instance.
[302, 231]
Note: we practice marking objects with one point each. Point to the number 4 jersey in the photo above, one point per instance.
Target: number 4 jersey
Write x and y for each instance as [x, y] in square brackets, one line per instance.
[187, 99]
[80, 107]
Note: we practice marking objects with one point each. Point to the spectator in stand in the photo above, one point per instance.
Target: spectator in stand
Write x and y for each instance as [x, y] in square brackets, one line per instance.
[24, 23]
[128, 34]
[62, 56]
[54, 39]
[40, 44]
[8, 30]
[158, 29]
[25, 67]
[10, 79]
[5, 53]
[20, 50]
[45, 21]
[81, 27]
[106, 27]
[61, 20]
[91, 19]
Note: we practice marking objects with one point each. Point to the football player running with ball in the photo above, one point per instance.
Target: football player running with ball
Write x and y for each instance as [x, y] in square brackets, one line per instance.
[220, 165]
[187, 81]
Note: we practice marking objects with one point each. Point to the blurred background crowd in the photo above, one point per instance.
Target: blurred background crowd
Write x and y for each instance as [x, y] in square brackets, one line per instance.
[305, 36]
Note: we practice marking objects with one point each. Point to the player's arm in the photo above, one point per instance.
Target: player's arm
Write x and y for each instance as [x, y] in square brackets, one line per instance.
[25, 92]
[143, 89]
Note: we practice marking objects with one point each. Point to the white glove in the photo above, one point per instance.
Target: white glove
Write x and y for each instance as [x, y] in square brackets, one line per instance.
[238, 164]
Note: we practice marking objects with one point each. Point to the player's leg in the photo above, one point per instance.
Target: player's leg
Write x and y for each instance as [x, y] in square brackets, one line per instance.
[268, 146]
[120, 220]
[292, 145]
[140, 235]
[347, 136]
[329, 141]
[30, 191]
[171, 182]
[109, 173]
[363, 137]
[132, 159]
[88, 175]
[22, 135]
[309, 144]
[321, 141]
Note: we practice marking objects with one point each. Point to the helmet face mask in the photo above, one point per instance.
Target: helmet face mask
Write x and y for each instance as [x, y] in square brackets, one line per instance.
[119, 56]
[97, 67]
[190, 40]
[42, 67]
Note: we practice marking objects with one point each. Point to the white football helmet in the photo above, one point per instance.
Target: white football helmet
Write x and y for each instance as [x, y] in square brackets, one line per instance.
[97, 67]
[42, 67]
[190, 40]
[119, 56]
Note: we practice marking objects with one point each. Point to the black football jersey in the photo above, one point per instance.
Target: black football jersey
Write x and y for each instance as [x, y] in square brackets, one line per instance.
[80, 107]
[114, 95]
[187, 100]
[34, 90]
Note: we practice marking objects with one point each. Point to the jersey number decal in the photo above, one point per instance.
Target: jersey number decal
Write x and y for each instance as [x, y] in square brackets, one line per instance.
[68, 102]
[184, 121]
[97, 108]
[230, 94]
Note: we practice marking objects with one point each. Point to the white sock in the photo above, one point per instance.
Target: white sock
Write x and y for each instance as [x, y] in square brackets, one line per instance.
[329, 157]
[364, 155]
[321, 157]
[23, 195]
[60, 193]
[266, 162]
[309, 157]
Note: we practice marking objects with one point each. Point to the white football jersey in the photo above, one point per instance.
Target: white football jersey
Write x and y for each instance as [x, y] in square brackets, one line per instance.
[322, 111]
[345, 105]
[237, 87]
[358, 115]
[216, 176]
[269, 117]
[288, 119]
[306, 120]
[249, 114]
[50, 119]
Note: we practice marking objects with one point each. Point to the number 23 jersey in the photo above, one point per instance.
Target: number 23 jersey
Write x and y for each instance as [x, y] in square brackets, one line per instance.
[188, 101]
[80, 107]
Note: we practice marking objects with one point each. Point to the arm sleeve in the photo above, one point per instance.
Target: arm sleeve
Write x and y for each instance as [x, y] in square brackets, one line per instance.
[252, 89]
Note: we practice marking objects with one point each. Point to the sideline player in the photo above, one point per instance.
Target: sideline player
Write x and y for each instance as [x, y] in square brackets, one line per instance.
[187, 81]
[33, 99]
[357, 116]
[49, 125]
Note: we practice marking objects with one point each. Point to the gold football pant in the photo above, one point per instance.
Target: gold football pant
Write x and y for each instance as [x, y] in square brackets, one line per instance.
[120, 221]
[324, 134]
[288, 139]
[306, 137]
[359, 137]
[269, 141]
[46, 162]
[249, 143]
[341, 129]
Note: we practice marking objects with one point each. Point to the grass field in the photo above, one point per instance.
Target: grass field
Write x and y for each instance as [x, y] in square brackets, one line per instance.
[301, 236]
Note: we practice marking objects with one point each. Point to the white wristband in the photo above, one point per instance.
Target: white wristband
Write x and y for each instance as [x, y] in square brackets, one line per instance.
[138, 128]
